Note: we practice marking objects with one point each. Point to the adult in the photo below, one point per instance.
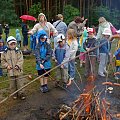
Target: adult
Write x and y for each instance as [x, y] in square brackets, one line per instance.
[43, 25]
[1, 31]
[6, 31]
[60, 25]
[78, 25]
[103, 23]
[25, 34]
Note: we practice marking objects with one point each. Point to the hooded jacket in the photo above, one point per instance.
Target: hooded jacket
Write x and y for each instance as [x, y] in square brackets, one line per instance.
[18, 36]
[43, 53]
[12, 58]
[62, 54]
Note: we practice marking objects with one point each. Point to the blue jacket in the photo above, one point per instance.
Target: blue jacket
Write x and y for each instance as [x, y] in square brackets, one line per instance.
[43, 53]
[62, 54]
[105, 48]
[18, 36]
[60, 26]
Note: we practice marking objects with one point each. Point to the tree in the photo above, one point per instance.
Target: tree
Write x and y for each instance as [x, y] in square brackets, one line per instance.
[69, 13]
[35, 9]
[7, 12]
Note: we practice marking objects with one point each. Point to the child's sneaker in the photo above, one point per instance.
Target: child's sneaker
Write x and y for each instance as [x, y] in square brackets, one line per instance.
[42, 89]
[15, 97]
[22, 96]
[46, 88]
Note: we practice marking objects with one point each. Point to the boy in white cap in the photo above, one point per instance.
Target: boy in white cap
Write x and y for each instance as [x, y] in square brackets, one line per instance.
[12, 60]
[61, 55]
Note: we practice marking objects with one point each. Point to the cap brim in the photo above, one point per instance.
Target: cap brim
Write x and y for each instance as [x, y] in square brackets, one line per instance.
[12, 42]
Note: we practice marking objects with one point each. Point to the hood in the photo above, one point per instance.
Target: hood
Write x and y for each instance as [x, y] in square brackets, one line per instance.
[1, 40]
[41, 33]
[17, 31]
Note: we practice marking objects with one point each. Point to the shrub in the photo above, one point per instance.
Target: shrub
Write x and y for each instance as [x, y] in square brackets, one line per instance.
[69, 13]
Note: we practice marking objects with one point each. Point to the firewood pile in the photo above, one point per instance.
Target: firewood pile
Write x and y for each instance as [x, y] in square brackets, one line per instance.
[86, 107]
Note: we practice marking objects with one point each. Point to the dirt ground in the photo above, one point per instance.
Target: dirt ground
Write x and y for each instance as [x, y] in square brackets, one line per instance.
[43, 106]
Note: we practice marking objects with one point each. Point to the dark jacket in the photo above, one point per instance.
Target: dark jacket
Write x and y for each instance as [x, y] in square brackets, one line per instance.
[24, 29]
[90, 43]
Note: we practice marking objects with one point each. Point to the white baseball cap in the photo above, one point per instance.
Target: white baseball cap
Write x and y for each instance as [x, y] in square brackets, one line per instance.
[11, 39]
[60, 37]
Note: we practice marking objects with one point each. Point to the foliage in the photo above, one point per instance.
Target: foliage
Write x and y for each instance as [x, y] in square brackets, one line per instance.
[69, 13]
[98, 11]
[7, 12]
[35, 9]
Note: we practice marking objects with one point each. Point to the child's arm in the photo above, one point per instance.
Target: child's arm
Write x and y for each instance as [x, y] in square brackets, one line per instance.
[19, 60]
[4, 62]
[67, 54]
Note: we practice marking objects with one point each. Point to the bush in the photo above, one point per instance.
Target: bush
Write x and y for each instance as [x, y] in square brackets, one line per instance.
[69, 13]
[7, 12]
[35, 9]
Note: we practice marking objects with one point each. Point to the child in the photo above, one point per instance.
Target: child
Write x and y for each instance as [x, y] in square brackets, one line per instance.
[61, 55]
[104, 51]
[90, 57]
[82, 50]
[43, 53]
[117, 63]
[72, 42]
[2, 48]
[12, 60]
[18, 38]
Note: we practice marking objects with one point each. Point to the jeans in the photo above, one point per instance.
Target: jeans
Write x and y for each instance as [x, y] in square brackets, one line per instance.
[71, 69]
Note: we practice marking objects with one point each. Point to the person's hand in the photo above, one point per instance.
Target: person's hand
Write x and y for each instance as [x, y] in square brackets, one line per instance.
[88, 49]
[29, 32]
[62, 66]
[41, 66]
[9, 67]
[17, 67]
[55, 60]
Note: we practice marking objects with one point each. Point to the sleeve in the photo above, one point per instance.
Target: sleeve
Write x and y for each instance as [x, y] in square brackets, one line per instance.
[37, 54]
[35, 29]
[73, 49]
[4, 63]
[67, 55]
[19, 59]
[49, 53]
